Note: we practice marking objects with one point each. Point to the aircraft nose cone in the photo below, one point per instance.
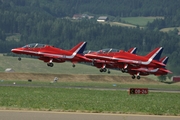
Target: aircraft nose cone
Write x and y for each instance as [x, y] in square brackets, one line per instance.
[12, 50]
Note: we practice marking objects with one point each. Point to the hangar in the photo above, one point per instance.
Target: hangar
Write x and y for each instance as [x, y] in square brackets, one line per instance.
[102, 19]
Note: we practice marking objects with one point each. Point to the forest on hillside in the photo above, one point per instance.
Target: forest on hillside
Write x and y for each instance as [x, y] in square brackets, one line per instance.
[45, 22]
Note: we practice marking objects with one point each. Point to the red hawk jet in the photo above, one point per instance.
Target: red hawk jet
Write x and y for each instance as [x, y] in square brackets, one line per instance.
[128, 61]
[147, 71]
[103, 65]
[50, 54]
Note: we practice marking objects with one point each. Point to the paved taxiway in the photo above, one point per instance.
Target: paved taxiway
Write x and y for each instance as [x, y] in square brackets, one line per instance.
[48, 115]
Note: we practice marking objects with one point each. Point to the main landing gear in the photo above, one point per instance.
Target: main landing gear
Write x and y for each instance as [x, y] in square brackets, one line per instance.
[104, 70]
[19, 58]
[138, 77]
[50, 64]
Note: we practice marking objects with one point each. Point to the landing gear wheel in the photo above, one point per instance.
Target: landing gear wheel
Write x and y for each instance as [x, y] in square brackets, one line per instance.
[19, 58]
[138, 77]
[133, 77]
[50, 64]
[123, 70]
[101, 70]
[109, 72]
[73, 65]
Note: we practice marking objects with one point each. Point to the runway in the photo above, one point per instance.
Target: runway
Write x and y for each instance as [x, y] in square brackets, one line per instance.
[48, 115]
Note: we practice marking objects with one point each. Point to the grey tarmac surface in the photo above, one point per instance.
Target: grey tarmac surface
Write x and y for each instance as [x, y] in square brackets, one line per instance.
[48, 115]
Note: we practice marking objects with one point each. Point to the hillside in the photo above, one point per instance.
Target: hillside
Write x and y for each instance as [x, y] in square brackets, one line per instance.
[74, 78]
[29, 68]
[32, 65]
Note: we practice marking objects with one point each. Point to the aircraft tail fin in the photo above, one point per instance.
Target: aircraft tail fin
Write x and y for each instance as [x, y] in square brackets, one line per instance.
[164, 60]
[155, 54]
[79, 48]
[132, 50]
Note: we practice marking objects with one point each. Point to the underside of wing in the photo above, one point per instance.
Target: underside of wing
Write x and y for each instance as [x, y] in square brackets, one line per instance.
[48, 59]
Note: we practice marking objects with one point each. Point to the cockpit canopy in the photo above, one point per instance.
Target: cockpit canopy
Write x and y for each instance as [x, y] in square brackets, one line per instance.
[34, 45]
[88, 52]
[108, 50]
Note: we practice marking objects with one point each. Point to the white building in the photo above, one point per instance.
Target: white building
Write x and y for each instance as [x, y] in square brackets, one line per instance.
[102, 19]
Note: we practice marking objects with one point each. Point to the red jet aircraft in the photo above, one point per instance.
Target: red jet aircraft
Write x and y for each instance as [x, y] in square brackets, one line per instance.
[103, 65]
[52, 54]
[127, 61]
[148, 71]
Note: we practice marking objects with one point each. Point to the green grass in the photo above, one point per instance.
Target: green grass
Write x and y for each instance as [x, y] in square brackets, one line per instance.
[31, 65]
[85, 100]
[93, 84]
[141, 21]
[121, 24]
[168, 29]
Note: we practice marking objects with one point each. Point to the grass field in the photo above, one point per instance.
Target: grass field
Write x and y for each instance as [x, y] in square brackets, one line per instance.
[168, 29]
[121, 24]
[31, 65]
[141, 21]
[87, 100]
[134, 21]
